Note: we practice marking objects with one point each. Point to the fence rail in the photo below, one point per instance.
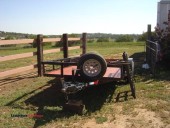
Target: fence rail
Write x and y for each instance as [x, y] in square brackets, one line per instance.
[17, 70]
[17, 56]
[21, 41]
[39, 41]
[30, 41]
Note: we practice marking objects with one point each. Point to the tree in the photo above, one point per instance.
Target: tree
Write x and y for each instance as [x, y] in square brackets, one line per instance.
[10, 38]
[73, 35]
[163, 37]
[143, 37]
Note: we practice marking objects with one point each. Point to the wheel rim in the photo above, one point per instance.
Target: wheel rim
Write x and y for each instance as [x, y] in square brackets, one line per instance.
[91, 67]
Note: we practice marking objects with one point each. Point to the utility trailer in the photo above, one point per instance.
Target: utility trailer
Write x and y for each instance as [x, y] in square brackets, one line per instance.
[88, 69]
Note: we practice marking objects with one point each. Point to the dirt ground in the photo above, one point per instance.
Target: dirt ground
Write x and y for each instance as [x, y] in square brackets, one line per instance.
[142, 119]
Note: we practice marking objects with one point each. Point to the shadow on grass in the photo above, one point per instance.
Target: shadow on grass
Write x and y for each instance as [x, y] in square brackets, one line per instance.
[49, 100]
[95, 96]
[92, 97]
[8, 80]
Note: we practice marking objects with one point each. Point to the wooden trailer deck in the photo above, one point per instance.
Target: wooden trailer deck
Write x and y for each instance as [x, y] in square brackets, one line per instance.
[111, 72]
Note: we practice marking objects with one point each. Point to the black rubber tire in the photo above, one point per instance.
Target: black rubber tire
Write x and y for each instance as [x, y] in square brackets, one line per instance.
[84, 58]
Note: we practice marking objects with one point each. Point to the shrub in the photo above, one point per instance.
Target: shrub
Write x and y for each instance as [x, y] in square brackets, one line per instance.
[91, 41]
[103, 40]
[70, 43]
[163, 37]
[124, 38]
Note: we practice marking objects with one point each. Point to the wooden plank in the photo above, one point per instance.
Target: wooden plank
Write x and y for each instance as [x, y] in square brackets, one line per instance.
[58, 39]
[52, 50]
[17, 70]
[21, 41]
[74, 39]
[51, 39]
[74, 47]
[17, 56]
[28, 41]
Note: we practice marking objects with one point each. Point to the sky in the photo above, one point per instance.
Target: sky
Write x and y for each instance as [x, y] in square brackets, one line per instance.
[77, 16]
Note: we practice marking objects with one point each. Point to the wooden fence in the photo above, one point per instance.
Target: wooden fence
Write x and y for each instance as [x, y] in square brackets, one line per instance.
[40, 51]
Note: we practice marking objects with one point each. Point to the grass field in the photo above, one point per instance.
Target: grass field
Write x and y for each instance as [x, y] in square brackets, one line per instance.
[27, 94]
[108, 49]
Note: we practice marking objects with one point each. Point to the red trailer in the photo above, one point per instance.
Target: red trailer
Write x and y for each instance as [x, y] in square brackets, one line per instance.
[88, 69]
[91, 69]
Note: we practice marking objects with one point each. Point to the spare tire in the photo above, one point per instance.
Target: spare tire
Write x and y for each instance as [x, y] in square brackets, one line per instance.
[91, 67]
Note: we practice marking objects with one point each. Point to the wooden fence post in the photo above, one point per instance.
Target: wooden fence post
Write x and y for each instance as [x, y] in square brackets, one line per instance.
[84, 41]
[65, 45]
[149, 32]
[148, 45]
[40, 55]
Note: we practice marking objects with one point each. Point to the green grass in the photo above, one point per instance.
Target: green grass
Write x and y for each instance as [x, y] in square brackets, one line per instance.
[111, 48]
[19, 48]
[29, 94]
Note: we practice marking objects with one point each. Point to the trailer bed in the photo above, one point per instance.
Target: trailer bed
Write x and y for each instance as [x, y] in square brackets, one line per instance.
[111, 72]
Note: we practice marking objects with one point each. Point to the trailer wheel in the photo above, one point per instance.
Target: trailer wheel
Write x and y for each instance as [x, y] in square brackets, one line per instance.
[91, 67]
